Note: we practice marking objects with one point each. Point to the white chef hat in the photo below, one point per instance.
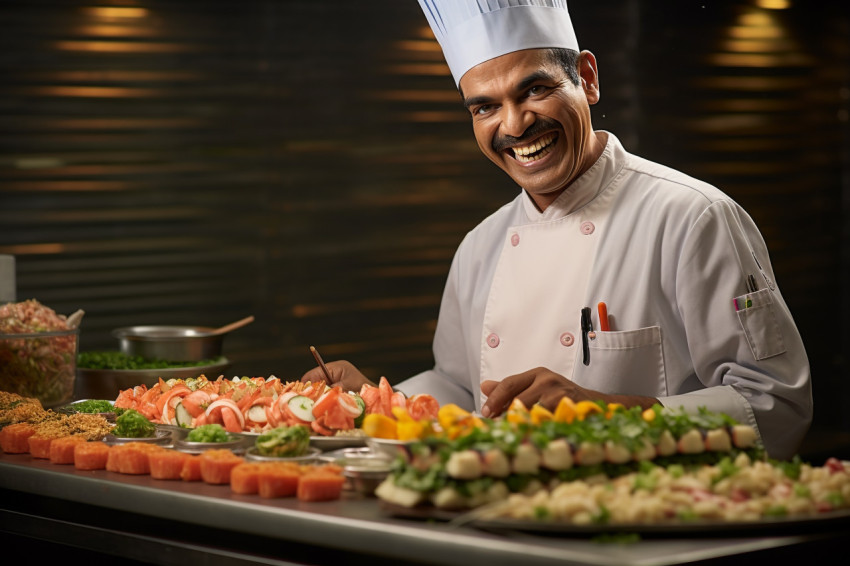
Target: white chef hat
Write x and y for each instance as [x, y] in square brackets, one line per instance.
[473, 31]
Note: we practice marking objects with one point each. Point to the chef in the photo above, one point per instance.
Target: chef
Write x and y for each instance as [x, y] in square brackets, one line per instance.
[608, 276]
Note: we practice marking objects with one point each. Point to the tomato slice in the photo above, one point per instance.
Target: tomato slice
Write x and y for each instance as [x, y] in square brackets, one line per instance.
[386, 397]
[319, 427]
[324, 404]
[370, 396]
[422, 406]
[337, 419]
[350, 405]
[231, 422]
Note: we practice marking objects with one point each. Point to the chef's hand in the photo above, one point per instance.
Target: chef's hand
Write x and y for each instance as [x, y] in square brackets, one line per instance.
[545, 387]
[342, 372]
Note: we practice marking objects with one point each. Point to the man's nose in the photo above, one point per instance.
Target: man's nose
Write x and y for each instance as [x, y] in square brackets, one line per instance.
[516, 120]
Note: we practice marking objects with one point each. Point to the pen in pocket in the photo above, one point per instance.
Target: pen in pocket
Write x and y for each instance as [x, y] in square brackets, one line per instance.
[604, 323]
[586, 329]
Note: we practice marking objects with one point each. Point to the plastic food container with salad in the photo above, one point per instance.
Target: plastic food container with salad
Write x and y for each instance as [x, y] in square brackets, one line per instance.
[38, 351]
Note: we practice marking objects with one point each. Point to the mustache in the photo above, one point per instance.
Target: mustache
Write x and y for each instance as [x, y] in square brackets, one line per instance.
[540, 125]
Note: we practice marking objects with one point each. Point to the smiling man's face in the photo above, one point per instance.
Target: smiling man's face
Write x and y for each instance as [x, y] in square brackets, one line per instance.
[532, 121]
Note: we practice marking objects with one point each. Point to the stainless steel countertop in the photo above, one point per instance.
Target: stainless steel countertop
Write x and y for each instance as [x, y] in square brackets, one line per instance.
[354, 523]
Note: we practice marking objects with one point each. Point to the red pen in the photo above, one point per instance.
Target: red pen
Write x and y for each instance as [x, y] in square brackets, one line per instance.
[603, 317]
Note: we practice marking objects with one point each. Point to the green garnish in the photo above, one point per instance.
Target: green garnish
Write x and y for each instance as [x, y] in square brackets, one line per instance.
[208, 433]
[91, 406]
[132, 424]
[121, 361]
[284, 441]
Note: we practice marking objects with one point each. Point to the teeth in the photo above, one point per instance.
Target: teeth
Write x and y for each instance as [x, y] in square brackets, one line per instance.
[535, 157]
[536, 146]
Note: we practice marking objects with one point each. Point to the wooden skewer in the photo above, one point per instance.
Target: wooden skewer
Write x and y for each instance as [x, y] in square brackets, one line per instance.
[321, 363]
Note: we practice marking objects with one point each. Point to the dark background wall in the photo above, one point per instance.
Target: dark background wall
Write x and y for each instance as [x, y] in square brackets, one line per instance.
[193, 162]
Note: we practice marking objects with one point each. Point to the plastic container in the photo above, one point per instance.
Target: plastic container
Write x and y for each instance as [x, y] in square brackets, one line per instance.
[40, 365]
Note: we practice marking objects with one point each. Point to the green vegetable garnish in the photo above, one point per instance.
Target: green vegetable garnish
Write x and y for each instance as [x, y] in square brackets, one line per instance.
[121, 361]
[284, 441]
[208, 433]
[132, 424]
[95, 406]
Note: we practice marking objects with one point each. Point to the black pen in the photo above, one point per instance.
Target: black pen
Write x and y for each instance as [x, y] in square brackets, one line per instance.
[586, 328]
[751, 284]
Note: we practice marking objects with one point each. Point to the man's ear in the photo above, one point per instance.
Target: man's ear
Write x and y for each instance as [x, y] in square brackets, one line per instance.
[589, 76]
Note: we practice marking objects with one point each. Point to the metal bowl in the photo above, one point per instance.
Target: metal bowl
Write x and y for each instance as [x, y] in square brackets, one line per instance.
[253, 455]
[364, 470]
[170, 343]
[162, 437]
[390, 448]
[237, 443]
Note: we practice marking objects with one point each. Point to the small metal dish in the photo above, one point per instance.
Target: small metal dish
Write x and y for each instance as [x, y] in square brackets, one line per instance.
[364, 469]
[390, 448]
[176, 432]
[253, 455]
[237, 444]
[162, 437]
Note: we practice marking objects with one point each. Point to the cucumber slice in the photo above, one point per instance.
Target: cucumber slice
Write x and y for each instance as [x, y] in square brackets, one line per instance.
[358, 420]
[302, 408]
[182, 416]
[257, 413]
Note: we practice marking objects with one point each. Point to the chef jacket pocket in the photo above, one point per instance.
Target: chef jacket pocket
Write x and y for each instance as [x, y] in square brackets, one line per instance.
[627, 362]
[755, 313]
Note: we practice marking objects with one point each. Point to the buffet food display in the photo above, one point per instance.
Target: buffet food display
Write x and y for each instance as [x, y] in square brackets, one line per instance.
[585, 463]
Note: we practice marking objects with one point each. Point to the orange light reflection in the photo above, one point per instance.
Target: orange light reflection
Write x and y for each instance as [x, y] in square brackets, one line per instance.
[94, 92]
[417, 96]
[122, 47]
[116, 12]
[33, 249]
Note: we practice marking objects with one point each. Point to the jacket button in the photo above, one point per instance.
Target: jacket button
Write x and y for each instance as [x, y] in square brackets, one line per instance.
[514, 240]
[567, 339]
[493, 340]
[587, 227]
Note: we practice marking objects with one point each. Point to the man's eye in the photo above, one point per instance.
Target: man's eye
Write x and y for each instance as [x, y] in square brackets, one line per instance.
[537, 89]
[485, 109]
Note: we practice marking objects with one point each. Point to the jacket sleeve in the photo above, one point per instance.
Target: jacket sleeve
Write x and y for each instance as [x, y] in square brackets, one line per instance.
[447, 382]
[745, 347]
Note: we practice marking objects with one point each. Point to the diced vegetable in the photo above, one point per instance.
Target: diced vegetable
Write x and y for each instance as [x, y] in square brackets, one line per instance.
[208, 433]
[302, 408]
[182, 417]
[284, 441]
[133, 424]
[257, 414]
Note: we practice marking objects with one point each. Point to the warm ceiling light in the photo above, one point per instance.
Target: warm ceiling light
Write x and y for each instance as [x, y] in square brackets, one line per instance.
[774, 4]
[117, 12]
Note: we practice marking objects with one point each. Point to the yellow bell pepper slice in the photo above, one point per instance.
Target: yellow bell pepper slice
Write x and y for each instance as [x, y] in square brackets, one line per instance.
[517, 413]
[585, 408]
[565, 412]
[380, 426]
[540, 414]
[450, 414]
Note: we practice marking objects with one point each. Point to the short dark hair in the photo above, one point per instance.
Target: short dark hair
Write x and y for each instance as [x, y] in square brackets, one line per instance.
[568, 60]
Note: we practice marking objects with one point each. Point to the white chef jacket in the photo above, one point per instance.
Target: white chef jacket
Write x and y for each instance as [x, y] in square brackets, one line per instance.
[670, 256]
